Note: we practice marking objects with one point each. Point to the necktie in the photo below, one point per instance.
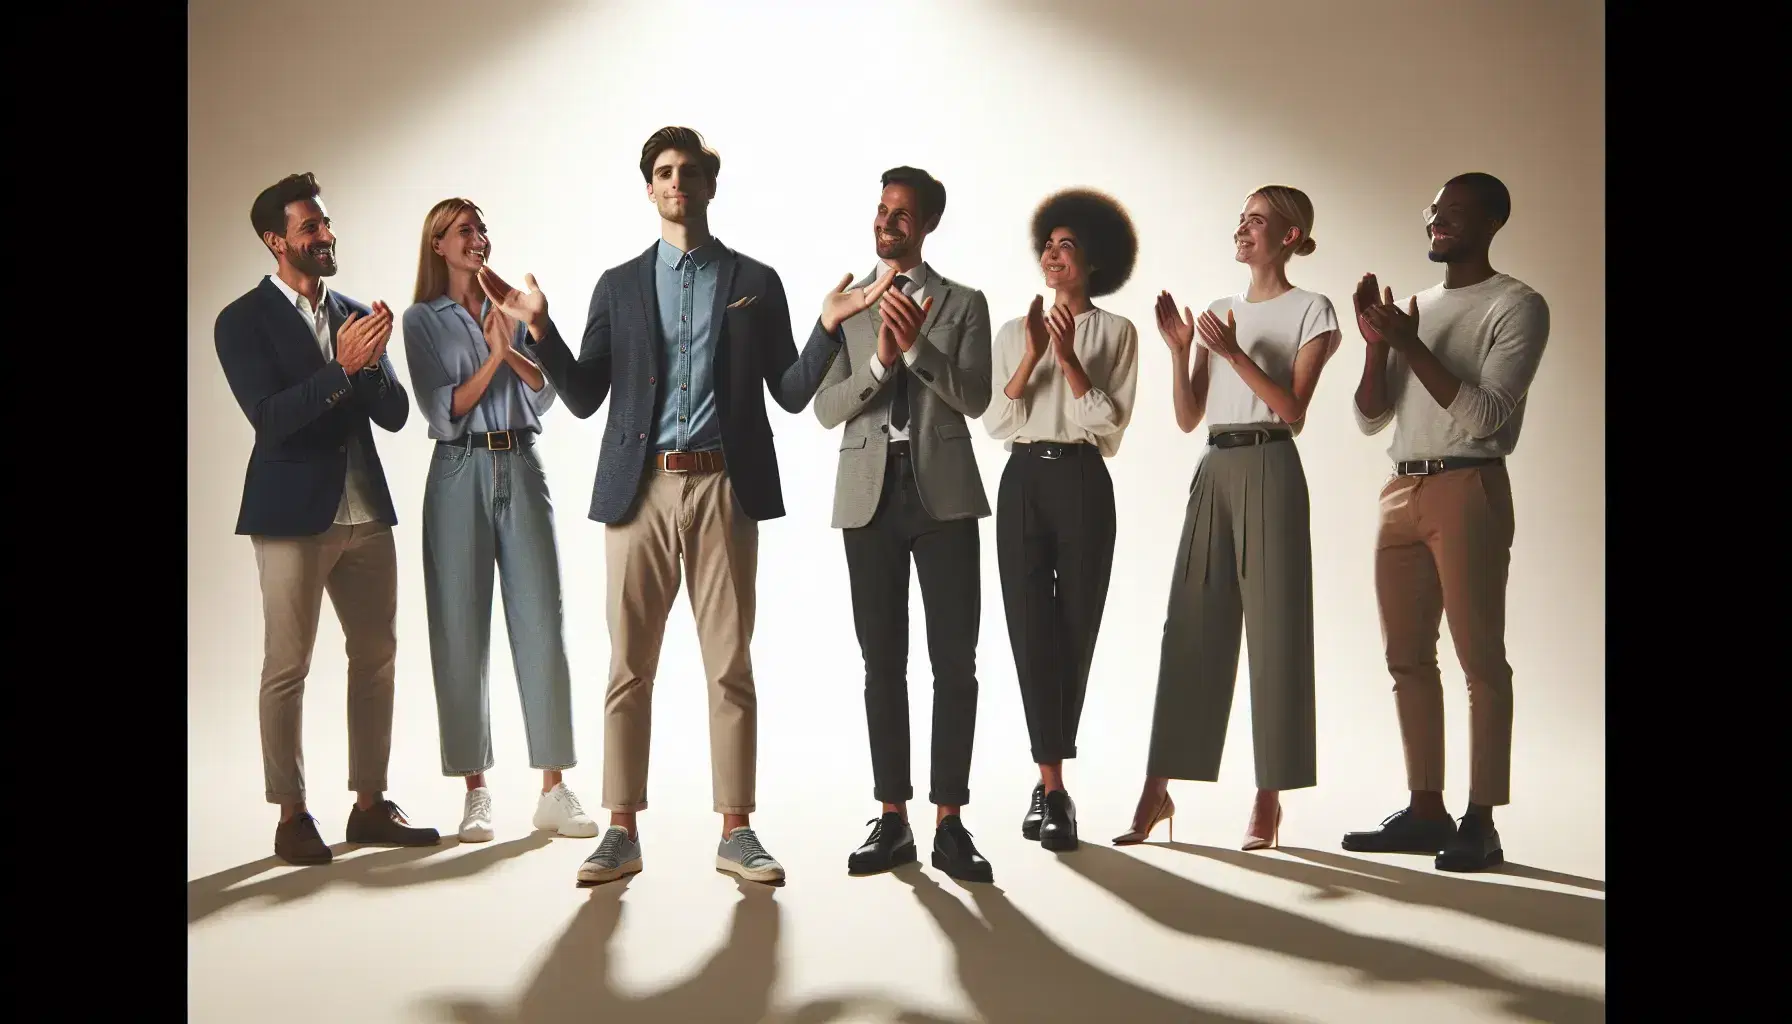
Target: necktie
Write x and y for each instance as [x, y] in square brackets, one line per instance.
[899, 404]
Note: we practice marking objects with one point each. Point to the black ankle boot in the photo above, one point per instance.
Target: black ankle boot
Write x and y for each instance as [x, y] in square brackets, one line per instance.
[1057, 832]
[1029, 825]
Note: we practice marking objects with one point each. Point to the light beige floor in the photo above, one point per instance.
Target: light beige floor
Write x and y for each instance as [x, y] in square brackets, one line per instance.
[1185, 931]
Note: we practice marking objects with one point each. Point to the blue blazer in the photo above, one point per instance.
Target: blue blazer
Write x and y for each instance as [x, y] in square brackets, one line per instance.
[304, 410]
[622, 352]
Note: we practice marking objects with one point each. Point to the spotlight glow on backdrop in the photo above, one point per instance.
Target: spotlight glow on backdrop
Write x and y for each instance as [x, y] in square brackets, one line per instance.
[537, 111]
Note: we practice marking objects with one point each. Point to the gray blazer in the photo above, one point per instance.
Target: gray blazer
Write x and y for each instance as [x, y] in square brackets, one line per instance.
[952, 361]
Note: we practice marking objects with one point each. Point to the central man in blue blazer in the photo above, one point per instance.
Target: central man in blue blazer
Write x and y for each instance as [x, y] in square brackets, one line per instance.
[687, 336]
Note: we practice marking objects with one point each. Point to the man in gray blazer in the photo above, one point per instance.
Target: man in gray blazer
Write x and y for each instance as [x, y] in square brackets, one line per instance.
[685, 340]
[909, 371]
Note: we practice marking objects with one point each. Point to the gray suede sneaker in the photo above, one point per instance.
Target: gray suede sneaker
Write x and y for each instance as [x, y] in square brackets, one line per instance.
[617, 855]
[741, 854]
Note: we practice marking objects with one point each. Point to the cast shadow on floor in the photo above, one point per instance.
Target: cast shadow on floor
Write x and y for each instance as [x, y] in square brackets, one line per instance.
[1011, 970]
[1197, 910]
[1015, 973]
[1333, 876]
[377, 870]
[574, 983]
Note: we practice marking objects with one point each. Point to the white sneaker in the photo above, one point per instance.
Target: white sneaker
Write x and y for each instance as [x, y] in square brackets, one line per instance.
[476, 823]
[559, 811]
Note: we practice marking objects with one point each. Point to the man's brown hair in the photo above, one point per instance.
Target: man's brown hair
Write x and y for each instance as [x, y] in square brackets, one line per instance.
[268, 212]
[685, 140]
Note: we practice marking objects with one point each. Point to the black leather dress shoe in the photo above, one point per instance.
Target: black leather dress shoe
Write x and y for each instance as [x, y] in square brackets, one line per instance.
[1057, 832]
[1029, 825]
[1475, 847]
[956, 855]
[1403, 832]
[890, 844]
[385, 825]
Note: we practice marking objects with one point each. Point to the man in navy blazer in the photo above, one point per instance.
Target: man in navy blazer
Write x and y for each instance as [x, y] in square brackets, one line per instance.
[686, 339]
[309, 368]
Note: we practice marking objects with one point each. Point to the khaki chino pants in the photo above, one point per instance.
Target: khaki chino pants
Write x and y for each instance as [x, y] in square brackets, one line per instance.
[1443, 549]
[689, 521]
[358, 567]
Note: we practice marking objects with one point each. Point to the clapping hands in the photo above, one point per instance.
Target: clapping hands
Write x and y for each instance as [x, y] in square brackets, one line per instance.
[1061, 325]
[528, 307]
[361, 340]
[845, 302]
[1380, 320]
[1220, 338]
[1178, 330]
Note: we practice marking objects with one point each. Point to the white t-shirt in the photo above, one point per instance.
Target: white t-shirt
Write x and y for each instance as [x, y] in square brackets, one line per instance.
[1272, 333]
[1491, 335]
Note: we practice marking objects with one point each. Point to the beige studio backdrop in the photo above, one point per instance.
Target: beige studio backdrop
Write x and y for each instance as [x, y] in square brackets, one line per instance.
[537, 112]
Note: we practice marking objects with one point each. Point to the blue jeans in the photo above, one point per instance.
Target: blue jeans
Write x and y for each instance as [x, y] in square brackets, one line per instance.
[484, 510]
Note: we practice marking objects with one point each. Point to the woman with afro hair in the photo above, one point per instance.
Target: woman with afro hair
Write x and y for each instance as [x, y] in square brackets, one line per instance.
[1070, 374]
[1246, 557]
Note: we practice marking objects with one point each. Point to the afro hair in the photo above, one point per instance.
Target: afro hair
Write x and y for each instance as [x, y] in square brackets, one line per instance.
[1102, 229]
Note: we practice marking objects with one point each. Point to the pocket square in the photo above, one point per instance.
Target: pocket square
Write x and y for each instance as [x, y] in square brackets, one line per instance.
[743, 302]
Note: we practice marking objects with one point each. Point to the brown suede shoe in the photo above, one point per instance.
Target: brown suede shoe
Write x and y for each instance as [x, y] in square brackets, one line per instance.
[296, 841]
[385, 825]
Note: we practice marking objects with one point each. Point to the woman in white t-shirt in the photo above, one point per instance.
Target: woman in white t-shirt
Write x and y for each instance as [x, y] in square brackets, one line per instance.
[1246, 556]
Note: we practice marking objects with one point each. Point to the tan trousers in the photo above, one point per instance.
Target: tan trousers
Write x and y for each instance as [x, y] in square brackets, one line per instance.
[358, 567]
[690, 519]
[1443, 550]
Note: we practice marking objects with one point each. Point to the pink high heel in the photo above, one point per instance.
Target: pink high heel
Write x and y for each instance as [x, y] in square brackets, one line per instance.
[1252, 842]
[1166, 811]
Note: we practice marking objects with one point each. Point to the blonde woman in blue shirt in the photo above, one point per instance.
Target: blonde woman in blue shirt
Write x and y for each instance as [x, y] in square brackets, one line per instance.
[486, 507]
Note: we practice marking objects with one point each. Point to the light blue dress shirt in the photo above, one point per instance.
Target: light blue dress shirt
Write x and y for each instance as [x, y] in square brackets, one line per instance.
[685, 284]
[443, 346]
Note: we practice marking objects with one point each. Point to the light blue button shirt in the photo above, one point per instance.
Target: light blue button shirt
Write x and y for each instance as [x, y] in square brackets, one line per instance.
[685, 284]
[443, 346]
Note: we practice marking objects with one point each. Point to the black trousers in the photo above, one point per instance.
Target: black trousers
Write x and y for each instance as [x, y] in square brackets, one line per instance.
[946, 557]
[1055, 546]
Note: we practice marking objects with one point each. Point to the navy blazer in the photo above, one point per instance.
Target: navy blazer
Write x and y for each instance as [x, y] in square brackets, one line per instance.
[304, 410]
[623, 349]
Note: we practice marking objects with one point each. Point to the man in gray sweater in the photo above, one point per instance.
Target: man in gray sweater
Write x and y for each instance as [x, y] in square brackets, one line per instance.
[1456, 397]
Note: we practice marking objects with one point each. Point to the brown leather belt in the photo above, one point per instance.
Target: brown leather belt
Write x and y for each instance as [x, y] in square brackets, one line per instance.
[690, 462]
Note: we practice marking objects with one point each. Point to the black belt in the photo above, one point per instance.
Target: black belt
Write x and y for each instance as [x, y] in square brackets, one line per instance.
[1054, 449]
[1426, 467]
[1240, 438]
[496, 440]
[898, 449]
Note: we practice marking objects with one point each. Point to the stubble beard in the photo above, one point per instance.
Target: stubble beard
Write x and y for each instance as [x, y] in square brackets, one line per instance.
[311, 266]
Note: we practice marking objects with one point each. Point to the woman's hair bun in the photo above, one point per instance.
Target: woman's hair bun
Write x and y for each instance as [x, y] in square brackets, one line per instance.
[1306, 247]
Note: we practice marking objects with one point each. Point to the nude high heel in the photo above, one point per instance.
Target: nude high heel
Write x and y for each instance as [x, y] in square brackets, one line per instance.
[1166, 812]
[1274, 841]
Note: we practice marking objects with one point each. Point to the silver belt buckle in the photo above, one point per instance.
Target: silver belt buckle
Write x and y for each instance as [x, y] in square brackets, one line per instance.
[665, 461]
[1049, 452]
[1424, 467]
